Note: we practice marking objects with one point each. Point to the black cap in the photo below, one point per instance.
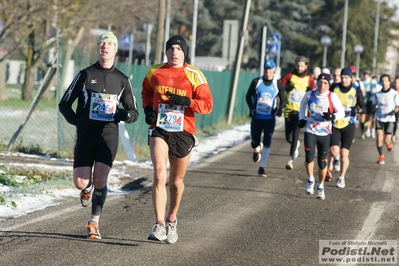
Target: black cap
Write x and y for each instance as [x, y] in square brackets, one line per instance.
[324, 76]
[347, 72]
[179, 40]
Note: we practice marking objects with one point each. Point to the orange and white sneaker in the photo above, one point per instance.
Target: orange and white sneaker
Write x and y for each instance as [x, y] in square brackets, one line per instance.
[328, 176]
[381, 160]
[390, 147]
[93, 231]
[257, 153]
[86, 196]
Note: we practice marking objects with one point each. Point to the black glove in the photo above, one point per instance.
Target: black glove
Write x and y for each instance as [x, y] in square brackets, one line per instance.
[302, 123]
[279, 112]
[289, 87]
[252, 113]
[150, 115]
[328, 116]
[121, 115]
[82, 124]
[178, 100]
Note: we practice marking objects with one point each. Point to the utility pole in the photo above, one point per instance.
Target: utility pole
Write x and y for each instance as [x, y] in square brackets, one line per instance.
[194, 33]
[376, 29]
[237, 63]
[167, 28]
[343, 49]
[160, 31]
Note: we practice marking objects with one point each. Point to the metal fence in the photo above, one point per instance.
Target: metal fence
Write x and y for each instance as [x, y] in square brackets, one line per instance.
[39, 123]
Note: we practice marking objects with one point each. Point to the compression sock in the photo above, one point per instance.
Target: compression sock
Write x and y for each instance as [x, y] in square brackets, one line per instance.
[265, 155]
[379, 150]
[99, 197]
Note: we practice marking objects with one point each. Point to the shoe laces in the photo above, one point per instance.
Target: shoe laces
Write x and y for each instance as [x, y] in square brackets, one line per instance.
[92, 227]
[85, 195]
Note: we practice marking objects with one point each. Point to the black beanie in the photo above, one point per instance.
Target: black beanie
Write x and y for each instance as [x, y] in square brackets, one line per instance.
[346, 72]
[179, 40]
[324, 76]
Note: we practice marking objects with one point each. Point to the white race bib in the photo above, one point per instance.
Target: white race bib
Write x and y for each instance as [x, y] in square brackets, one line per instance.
[102, 106]
[170, 118]
[296, 96]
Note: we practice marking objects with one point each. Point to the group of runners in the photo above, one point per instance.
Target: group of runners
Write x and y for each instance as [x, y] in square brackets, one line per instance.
[326, 106]
[329, 105]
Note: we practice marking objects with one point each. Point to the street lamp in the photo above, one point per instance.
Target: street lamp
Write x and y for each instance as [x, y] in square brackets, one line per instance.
[325, 41]
[358, 50]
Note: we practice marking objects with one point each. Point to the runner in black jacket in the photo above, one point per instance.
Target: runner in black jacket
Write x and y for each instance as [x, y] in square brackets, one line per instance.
[99, 90]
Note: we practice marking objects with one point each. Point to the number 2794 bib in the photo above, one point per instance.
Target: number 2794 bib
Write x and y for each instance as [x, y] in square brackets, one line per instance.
[170, 118]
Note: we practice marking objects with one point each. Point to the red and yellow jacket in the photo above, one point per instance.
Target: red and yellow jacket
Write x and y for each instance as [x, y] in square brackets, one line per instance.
[185, 81]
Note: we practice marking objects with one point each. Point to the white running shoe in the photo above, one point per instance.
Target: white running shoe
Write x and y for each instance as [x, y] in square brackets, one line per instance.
[296, 153]
[310, 187]
[368, 133]
[337, 164]
[290, 164]
[320, 193]
[373, 133]
[171, 232]
[158, 233]
[257, 153]
[340, 182]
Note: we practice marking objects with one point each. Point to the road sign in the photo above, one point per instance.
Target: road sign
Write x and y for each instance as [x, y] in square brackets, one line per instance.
[126, 39]
[274, 44]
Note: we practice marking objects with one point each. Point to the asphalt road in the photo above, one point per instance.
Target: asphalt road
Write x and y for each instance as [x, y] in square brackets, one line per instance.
[229, 215]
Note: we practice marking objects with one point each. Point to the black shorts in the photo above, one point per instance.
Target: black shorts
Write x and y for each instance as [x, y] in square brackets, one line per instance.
[369, 107]
[344, 136]
[387, 127]
[98, 144]
[180, 143]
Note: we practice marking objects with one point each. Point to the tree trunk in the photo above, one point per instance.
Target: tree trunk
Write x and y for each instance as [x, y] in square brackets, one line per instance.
[68, 54]
[29, 83]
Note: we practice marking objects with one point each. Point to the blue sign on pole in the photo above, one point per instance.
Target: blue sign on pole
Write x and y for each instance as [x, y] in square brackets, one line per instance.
[126, 39]
[274, 44]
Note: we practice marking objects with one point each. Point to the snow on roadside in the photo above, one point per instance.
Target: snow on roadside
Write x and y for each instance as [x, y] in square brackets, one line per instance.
[28, 203]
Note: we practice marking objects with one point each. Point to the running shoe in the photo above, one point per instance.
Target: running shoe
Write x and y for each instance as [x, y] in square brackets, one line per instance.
[368, 133]
[337, 164]
[257, 153]
[381, 160]
[328, 176]
[261, 172]
[93, 231]
[171, 232]
[290, 164]
[158, 233]
[296, 153]
[86, 196]
[320, 193]
[340, 182]
[363, 136]
[373, 134]
[390, 147]
[310, 187]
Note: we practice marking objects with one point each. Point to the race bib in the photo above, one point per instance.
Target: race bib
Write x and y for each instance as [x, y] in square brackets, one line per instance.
[102, 106]
[170, 118]
[348, 110]
[316, 112]
[264, 105]
[296, 96]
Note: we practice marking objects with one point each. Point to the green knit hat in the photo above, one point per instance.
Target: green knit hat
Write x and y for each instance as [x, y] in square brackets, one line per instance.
[108, 36]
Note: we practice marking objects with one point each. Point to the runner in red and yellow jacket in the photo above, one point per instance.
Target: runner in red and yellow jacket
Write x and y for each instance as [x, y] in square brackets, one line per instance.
[296, 83]
[172, 93]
